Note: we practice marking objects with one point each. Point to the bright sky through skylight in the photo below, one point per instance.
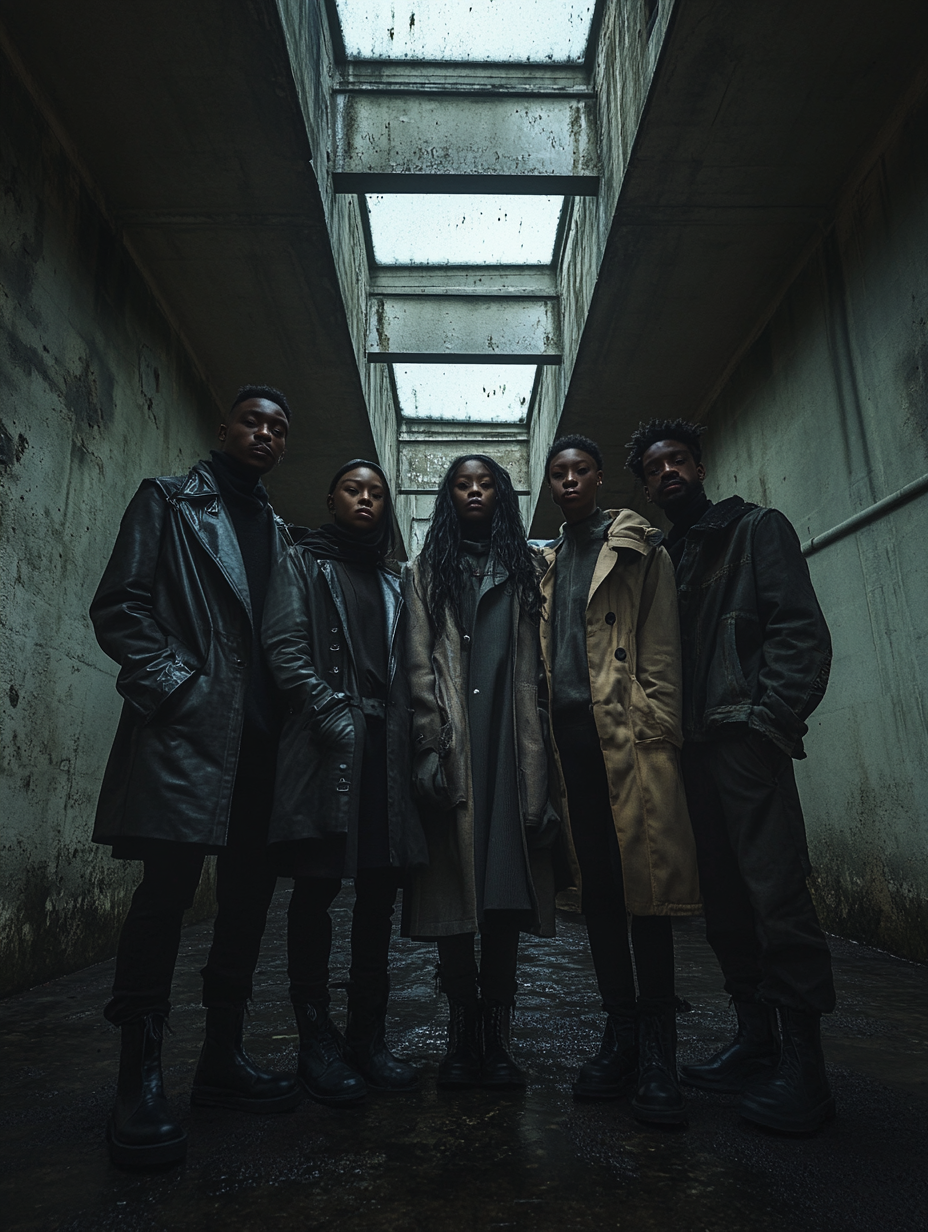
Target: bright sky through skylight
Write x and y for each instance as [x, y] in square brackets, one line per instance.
[537, 31]
[495, 393]
[414, 229]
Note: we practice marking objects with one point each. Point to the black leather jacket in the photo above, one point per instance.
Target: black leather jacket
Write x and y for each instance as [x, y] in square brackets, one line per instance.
[309, 648]
[756, 648]
[173, 610]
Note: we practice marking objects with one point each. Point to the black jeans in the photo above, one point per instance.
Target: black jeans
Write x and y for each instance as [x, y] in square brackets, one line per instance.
[593, 831]
[753, 864]
[245, 883]
[309, 938]
[499, 955]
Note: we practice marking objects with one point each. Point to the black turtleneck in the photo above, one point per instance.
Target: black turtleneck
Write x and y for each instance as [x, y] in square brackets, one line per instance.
[683, 524]
[571, 699]
[246, 501]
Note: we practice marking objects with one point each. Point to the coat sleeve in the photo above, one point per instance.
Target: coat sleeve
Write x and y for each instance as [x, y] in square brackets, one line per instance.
[658, 666]
[286, 634]
[796, 646]
[427, 719]
[152, 664]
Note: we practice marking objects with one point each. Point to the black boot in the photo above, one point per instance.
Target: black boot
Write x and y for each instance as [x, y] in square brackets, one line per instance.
[754, 1049]
[368, 1053]
[499, 1069]
[606, 1075]
[794, 1097]
[658, 1098]
[460, 1066]
[227, 1077]
[321, 1065]
[141, 1132]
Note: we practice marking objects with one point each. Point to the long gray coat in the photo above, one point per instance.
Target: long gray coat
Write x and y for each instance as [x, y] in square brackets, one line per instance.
[173, 610]
[442, 900]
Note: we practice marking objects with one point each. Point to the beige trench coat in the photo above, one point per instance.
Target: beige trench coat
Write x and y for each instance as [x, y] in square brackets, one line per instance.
[632, 608]
[442, 900]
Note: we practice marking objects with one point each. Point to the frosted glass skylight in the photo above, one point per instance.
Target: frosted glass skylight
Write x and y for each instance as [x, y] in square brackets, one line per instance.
[492, 393]
[426, 229]
[534, 31]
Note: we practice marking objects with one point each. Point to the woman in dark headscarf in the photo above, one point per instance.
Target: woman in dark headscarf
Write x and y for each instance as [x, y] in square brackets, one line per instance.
[333, 636]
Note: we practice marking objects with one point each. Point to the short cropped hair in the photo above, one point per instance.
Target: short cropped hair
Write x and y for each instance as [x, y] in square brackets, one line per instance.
[574, 441]
[648, 434]
[268, 392]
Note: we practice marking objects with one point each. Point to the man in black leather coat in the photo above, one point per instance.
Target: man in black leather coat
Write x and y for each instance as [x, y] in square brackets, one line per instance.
[756, 658]
[192, 766]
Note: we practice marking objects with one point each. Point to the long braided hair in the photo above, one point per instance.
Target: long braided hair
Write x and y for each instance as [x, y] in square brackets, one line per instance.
[445, 571]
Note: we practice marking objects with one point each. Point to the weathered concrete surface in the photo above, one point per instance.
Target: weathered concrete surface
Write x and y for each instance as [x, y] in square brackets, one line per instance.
[827, 414]
[757, 120]
[189, 122]
[442, 139]
[97, 392]
[466, 329]
[537, 1162]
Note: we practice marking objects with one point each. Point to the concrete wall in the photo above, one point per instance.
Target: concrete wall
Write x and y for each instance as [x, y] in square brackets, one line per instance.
[97, 392]
[825, 415]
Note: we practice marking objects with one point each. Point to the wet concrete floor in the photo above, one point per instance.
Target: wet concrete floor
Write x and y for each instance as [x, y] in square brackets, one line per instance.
[528, 1162]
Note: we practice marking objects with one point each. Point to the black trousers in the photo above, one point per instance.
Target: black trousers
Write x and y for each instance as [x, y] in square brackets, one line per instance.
[593, 831]
[309, 938]
[753, 864]
[499, 955]
[245, 883]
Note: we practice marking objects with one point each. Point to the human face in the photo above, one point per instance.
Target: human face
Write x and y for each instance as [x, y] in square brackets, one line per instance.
[358, 500]
[473, 494]
[672, 478]
[575, 481]
[256, 434]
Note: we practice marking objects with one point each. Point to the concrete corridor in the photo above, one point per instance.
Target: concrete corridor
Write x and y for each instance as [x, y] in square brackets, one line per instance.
[472, 1161]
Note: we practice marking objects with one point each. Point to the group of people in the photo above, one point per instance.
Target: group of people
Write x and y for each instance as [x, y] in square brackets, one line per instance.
[615, 713]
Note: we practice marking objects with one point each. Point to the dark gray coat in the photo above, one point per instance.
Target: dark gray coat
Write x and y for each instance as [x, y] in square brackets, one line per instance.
[756, 648]
[309, 649]
[173, 610]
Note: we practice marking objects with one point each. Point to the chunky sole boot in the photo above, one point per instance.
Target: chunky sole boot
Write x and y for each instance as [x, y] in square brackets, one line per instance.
[141, 1132]
[608, 1074]
[460, 1066]
[754, 1051]
[367, 1052]
[499, 1069]
[321, 1064]
[795, 1098]
[227, 1077]
[658, 1099]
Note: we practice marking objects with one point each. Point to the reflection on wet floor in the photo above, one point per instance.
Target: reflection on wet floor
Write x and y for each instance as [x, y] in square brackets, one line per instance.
[473, 1160]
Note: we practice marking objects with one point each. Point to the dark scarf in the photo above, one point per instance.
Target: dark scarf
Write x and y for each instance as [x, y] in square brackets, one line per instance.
[239, 483]
[332, 542]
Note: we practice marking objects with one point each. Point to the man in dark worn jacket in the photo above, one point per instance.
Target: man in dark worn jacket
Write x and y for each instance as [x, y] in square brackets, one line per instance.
[756, 657]
[192, 765]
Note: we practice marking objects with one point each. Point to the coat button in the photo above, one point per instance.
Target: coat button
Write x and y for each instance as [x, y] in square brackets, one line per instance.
[333, 630]
[335, 669]
[476, 690]
[610, 618]
[343, 765]
[335, 646]
[621, 654]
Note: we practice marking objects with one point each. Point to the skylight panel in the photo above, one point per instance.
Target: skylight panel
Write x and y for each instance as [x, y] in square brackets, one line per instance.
[480, 31]
[426, 229]
[490, 393]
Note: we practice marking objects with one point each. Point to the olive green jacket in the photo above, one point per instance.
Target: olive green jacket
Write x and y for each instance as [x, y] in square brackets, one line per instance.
[633, 650]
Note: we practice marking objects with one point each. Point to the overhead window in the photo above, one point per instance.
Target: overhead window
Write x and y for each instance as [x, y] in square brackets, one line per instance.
[475, 31]
[486, 393]
[426, 229]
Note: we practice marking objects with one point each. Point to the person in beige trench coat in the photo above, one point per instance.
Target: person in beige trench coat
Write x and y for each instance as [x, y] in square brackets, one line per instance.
[611, 649]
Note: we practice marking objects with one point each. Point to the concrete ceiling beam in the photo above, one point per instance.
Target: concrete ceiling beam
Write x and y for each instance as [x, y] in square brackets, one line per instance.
[466, 329]
[462, 142]
[498, 280]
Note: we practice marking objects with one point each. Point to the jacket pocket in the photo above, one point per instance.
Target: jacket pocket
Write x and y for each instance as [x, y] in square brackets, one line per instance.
[727, 685]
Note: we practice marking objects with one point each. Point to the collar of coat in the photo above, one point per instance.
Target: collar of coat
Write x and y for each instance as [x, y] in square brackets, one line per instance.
[721, 515]
[200, 484]
[626, 530]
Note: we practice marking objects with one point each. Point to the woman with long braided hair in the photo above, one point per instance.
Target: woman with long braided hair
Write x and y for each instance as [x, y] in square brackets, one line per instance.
[481, 763]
